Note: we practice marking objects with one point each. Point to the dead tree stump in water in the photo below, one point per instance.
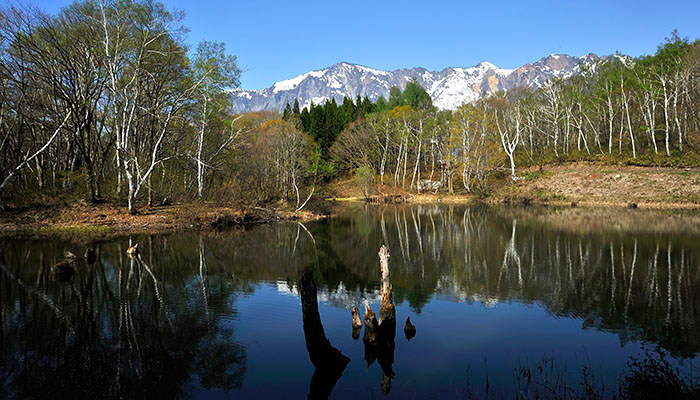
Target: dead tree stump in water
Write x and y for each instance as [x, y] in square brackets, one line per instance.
[379, 339]
[386, 307]
[370, 329]
[328, 361]
[356, 323]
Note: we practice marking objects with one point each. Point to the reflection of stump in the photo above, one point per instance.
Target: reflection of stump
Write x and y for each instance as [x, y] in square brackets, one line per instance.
[328, 361]
[380, 336]
[409, 329]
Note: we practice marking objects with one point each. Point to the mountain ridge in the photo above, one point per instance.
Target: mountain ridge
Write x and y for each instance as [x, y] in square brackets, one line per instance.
[449, 87]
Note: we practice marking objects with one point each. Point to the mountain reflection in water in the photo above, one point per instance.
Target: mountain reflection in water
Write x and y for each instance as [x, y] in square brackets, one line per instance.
[217, 313]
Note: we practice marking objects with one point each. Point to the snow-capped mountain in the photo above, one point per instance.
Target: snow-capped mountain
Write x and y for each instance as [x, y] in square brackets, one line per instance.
[448, 88]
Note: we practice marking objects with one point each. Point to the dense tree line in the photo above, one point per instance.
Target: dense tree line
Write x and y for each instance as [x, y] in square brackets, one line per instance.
[324, 122]
[105, 101]
[641, 110]
[106, 93]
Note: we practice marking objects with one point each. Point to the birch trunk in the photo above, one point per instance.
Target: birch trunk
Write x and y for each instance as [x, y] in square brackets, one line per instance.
[27, 160]
[200, 164]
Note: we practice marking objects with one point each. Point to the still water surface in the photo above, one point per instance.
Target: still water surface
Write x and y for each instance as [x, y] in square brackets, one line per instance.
[217, 314]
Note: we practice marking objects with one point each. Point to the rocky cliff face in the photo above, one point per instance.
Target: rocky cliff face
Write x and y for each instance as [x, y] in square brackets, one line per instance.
[448, 88]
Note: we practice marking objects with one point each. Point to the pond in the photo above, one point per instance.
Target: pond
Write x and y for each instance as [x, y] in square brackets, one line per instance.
[495, 294]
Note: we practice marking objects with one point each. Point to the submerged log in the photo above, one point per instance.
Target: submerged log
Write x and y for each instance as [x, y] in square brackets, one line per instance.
[328, 361]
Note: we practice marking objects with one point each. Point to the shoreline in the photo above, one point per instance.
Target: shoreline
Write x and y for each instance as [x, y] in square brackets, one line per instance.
[576, 185]
[107, 219]
[518, 202]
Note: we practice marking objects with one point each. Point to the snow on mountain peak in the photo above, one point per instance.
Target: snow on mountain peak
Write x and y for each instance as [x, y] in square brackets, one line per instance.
[449, 88]
[486, 65]
[290, 84]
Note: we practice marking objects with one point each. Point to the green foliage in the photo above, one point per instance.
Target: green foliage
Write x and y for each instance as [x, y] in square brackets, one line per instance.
[413, 95]
[364, 177]
[164, 115]
[217, 70]
[324, 122]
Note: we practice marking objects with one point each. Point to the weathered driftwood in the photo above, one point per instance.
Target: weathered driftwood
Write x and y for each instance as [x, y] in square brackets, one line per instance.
[328, 361]
[409, 329]
[379, 338]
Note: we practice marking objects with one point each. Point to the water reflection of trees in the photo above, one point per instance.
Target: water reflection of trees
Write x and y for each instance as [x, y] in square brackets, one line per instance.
[121, 327]
[124, 327]
[641, 286]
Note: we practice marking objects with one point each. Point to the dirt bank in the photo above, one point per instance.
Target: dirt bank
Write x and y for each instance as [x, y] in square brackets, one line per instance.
[585, 183]
[592, 184]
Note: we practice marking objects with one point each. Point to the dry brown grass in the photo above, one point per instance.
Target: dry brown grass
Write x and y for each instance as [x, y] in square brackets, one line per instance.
[592, 184]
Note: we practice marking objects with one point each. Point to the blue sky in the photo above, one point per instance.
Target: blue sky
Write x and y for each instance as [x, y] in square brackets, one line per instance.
[277, 40]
